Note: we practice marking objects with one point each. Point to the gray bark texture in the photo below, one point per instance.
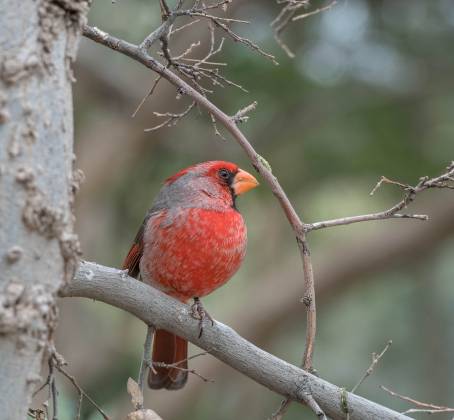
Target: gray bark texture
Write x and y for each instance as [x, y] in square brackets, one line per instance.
[116, 288]
[38, 249]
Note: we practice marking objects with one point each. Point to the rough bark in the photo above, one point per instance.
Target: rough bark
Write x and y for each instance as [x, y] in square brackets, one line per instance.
[38, 250]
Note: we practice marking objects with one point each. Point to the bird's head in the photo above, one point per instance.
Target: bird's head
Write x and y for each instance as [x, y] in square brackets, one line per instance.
[210, 184]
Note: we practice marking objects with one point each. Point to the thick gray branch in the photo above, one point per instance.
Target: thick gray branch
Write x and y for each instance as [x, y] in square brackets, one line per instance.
[116, 288]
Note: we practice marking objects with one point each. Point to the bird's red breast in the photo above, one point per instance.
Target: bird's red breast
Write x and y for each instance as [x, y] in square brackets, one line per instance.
[193, 251]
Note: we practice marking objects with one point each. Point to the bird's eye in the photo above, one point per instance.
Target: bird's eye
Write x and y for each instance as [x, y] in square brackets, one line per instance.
[224, 174]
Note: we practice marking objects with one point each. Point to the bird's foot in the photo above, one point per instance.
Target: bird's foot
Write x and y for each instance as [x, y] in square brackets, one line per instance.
[199, 312]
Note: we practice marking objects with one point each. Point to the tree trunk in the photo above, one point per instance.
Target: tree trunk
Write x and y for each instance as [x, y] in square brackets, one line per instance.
[38, 249]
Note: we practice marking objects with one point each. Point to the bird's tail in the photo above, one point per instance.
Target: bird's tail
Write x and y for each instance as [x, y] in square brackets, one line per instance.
[168, 349]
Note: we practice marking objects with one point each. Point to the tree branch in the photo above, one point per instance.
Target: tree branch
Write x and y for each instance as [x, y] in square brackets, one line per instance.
[116, 288]
[444, 180]
[423, 407]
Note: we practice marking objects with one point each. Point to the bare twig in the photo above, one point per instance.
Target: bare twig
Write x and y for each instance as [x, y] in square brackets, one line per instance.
[171, 118]
[158, 33]
[423, 407]
[150, 92]
[208, 63]
[165, 10]
[47, 382]
[72, 379]
[53, 390]
[215, 127]
[363, 218]
[56, 361]
[79, 406]
[375, 359]
[200, 13]
[442, 181]
[145, 363]
[193, 71]
[309, 400]
[221, 4]
[283, 19]
[241, 115]
[182, 27]
[188, 51]
[282, 409]
[176, 366]
[244, 41]
[287, 16]
[314, 12]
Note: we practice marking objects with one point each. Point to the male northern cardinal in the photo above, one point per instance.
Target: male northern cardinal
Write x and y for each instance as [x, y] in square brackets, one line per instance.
[193, 239]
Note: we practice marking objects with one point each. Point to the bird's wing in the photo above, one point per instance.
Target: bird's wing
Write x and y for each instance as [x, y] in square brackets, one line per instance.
[156, 216]
[132, 260]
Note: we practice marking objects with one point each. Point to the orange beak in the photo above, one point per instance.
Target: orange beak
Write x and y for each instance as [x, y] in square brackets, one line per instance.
[243, 182]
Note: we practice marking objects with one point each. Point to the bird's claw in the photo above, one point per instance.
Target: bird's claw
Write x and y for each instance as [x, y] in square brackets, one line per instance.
[199, 312]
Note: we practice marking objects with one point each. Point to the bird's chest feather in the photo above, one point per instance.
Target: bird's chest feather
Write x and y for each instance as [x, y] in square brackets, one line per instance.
[190, 252]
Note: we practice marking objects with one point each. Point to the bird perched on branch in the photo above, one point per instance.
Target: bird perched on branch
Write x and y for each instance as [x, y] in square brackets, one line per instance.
[193, 240]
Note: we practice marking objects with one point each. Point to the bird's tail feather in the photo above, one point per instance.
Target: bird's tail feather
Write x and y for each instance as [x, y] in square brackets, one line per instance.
[171, 350]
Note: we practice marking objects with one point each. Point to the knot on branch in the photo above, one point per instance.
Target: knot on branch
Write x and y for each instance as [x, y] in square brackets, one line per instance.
[241, 116]
[307, 300]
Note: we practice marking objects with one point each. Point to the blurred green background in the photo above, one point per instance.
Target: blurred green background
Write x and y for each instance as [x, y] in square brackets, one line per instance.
[370, 93]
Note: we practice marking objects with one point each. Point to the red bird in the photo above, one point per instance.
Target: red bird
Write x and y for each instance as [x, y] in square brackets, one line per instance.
[193, 239]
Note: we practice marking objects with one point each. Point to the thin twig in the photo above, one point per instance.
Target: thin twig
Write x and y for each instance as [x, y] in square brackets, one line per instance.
[281, 410]
[150, 92]
[287, 15]
[171, 118]
[314, 12]
[244, 41]
[241, 115]
[53, 389]
[309, 400]
[182, 27]
[202, 14]
[442, 181]
[56, 361]
[79, 406]
[187, 52]
[151, 365]
[211, 63]
[220, 4]
[375, 359]
[423, 407]
[283, 19]
[175, 366]
[145, 362]
[41, 387]
[72, 379]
